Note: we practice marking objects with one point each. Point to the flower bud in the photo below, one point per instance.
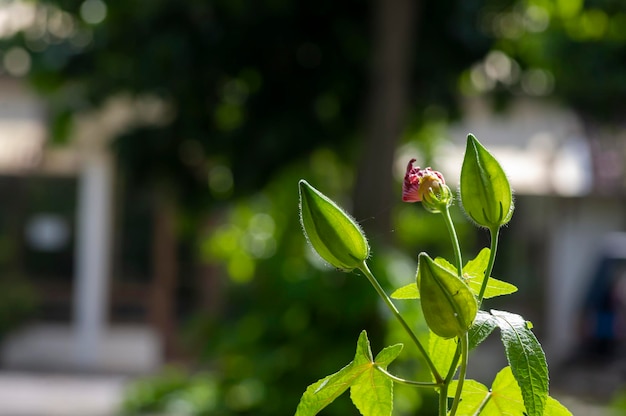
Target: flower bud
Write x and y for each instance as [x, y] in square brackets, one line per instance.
[485, 191]
[448, 304]
[334, 235]
[428, 186]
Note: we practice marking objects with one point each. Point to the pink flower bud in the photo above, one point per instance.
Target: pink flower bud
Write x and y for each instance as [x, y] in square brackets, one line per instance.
[418, 182]
[427, 186]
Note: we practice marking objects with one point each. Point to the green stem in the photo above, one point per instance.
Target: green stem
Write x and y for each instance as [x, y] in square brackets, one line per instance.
[455, 241]
[494, 232]
[404, 381]
[443, 392]
[482, 404]
[459, 387]
[366, 271]
[443, 399]
[455, 360]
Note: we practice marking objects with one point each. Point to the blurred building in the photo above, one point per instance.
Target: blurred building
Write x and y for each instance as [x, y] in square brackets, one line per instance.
[61, 205]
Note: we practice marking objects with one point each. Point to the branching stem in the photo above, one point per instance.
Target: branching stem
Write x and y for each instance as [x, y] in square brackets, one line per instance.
[366, 271]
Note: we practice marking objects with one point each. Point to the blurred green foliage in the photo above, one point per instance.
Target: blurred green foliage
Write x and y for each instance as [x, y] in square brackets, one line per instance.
[571, 50]
[282, 325]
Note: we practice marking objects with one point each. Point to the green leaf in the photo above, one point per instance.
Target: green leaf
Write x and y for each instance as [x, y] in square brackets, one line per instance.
[526, 358]
[474, 274]
[504, 398]
[448, 304]
[472, 397]
[441, 352]
[370, 390]
[481, 328]
[334, 235]
[554, 408]
[485, 190]
[409, 291]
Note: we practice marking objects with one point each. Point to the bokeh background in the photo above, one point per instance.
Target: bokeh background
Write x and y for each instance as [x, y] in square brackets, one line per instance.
[149, 159]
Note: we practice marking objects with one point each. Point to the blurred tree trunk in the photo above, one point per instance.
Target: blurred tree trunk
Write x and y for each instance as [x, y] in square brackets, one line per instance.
[165, 264]
[393, 22]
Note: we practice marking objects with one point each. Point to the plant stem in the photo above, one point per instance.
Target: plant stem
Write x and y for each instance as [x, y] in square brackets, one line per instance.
[407, 328]
[453, 364]
[459, 387]
[494, 232]
[483, 404]
[443, 392]
[443, 399]
[404, 381]
[455, 241]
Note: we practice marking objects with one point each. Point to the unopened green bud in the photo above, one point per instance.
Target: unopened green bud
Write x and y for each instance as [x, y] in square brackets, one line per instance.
[448, 304]
[334, 235]
[485, 190]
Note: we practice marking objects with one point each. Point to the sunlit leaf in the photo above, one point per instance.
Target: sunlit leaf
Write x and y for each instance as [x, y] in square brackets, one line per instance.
[370, 390]
[483, 325]
[504, 398]
[474, 274]
[409, 291]
[472, 397]
[441, 352]
[526, 358]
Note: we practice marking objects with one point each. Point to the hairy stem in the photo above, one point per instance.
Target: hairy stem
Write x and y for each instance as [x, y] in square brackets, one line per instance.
[366, 271]
[455, 241]
[494, 232]
[459, 387]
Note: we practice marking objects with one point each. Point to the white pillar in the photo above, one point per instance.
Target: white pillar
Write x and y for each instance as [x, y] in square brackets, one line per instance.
[92, 254]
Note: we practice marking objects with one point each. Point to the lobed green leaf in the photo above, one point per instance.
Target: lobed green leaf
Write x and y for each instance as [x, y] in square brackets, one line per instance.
[441, 352]
[370, 390]
[473, 273]
[472, 398]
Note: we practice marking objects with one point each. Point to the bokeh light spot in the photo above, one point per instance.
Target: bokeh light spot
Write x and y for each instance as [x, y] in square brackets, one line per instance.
[17, 61]
[93, 11]
[221, 181]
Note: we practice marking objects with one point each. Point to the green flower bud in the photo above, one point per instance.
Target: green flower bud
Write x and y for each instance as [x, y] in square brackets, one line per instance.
[334, 235]
[448, 304]
[485, 191]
